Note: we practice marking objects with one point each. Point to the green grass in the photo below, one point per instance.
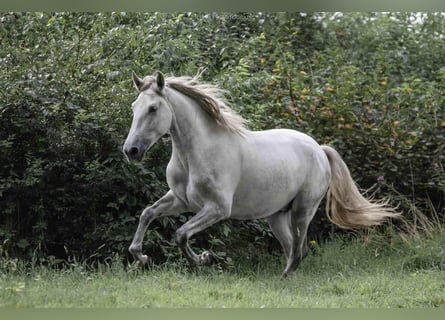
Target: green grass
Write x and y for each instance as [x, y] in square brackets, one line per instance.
[335, 274]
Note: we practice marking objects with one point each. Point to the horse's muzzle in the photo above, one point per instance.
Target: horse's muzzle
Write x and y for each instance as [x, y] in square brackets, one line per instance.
[134, 153]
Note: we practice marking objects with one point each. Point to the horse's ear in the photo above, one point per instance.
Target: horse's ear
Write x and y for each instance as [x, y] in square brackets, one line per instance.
[138, 82]
[160, 81]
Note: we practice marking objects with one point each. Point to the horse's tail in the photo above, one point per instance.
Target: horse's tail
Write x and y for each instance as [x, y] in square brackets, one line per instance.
[346, 206]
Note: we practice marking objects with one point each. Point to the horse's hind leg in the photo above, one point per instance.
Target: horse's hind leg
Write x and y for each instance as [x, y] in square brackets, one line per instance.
[302, 215]
[280, 224]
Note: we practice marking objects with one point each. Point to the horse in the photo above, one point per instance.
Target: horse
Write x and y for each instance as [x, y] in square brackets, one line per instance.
[221, 170]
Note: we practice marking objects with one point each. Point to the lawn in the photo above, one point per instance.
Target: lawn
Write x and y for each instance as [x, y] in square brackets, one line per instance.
[338, 273]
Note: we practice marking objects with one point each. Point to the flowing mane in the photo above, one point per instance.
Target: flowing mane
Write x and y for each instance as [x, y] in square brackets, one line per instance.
[210, 98]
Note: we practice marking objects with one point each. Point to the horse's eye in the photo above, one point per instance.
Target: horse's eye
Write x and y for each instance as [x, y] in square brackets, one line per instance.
[152, 109]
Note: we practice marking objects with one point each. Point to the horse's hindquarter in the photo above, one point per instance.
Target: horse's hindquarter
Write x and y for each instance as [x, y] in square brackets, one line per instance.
[277, 165]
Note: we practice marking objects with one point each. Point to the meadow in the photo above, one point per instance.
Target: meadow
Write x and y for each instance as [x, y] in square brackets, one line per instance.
[367, 272]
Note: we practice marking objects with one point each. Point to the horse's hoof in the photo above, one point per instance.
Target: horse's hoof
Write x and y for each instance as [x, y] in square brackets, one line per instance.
[143, 261]
[206, 258]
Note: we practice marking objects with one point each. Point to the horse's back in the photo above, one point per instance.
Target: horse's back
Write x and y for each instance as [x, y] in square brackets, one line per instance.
[283, 136]
[287, 147]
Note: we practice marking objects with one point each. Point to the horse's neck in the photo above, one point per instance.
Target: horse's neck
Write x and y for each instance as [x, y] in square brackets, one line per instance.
[193, 131]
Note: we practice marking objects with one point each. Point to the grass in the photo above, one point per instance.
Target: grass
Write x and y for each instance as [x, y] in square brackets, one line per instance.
[383, 273]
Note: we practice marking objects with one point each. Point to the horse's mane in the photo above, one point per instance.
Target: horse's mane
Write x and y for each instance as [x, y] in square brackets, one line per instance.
[210, 98]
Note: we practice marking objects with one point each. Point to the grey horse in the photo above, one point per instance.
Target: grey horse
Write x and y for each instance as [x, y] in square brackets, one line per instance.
[219, 170]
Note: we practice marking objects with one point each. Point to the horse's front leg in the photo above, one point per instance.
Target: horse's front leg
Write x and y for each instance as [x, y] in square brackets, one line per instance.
[206, 217]
[168, 205]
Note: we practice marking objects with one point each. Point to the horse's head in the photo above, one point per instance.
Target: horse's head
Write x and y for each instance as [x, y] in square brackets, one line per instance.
[152, 116]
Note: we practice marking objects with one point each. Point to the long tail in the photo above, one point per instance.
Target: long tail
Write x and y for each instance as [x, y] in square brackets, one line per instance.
[346, 206]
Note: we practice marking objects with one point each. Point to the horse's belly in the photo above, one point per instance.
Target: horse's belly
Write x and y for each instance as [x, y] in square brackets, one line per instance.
[250, 208]
[266, 191]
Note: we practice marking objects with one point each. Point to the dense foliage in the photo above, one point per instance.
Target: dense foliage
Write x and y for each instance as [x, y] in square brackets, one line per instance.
[372, 85]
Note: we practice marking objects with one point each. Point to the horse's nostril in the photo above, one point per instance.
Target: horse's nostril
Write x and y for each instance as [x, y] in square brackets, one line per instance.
[132, 151]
